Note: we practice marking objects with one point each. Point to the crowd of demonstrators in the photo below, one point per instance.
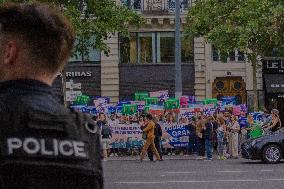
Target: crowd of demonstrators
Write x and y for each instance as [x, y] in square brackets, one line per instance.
[220, 134]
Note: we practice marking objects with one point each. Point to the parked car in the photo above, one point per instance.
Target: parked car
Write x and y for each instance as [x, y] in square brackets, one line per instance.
[268, 148]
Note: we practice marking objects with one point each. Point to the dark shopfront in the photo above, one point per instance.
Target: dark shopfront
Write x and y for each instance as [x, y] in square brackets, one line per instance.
[81, 78]
[153, 77]
[273, 76]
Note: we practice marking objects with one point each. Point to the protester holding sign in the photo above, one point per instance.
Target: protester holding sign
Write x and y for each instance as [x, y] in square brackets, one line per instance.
[234, 137]
[243, 122]
[192, 135]
[208, 136]
[106, 134]
[199, 133]
[221, 136]
[170, 122]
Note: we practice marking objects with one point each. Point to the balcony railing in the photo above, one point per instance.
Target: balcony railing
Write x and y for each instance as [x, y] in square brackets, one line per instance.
[157, 6]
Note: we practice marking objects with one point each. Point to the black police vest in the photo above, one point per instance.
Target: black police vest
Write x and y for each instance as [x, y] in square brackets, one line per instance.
[46, 151]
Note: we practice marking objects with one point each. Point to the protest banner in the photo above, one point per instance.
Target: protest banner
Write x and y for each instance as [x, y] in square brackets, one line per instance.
[161, 95]
[229, 100]
[237, 110]
[126, 136]
[156, 110]
[140, 105]
[187, 112]
[101, 104]
[130, 136]
[174, 135]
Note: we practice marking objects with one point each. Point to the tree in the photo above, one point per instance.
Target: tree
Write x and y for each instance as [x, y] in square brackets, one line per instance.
[254, 27]
[94, 18]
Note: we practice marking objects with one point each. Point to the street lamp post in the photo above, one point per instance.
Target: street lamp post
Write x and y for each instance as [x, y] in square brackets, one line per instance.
[178, 79]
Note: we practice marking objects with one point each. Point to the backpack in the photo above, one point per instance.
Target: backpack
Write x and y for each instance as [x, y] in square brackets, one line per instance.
[106, 130]
[47, 151]
[158, 131]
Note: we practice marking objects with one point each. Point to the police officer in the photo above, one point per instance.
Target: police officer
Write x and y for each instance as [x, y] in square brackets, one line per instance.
[43, 145]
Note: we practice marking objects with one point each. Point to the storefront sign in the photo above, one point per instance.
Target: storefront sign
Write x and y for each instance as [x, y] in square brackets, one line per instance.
[79, 74]
[273, 66]
[71, 95]
[277, 85]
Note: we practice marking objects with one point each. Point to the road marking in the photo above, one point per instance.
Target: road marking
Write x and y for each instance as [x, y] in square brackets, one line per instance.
[268, 170]
[201, 181]
[232, 171]
[275, 179]
[226, 171]
[185, 172]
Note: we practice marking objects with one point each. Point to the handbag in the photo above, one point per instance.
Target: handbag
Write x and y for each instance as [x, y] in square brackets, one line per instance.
[144, 135]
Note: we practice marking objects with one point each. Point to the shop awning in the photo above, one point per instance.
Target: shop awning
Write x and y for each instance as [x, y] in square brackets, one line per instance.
[274, 83]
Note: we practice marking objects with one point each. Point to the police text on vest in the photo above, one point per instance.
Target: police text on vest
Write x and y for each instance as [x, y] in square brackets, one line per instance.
[46, 147]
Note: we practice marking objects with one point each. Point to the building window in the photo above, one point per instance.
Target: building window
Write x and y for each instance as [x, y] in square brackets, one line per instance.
[184, 5]
[153, 47]
[187, 50]
[220, 85]
[145, 47]
[235, 56]
[157, 6]
[93, 55]
[238, 85]
[165, 47]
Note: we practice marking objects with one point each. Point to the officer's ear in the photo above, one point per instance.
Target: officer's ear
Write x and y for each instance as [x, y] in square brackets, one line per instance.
[10, 52]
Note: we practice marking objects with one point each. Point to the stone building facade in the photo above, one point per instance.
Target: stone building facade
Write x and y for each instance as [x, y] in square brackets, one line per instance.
[145, 62]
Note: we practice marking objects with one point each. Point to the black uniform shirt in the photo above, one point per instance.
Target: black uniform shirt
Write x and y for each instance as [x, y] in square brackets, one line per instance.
[20, 99]
[29, 93]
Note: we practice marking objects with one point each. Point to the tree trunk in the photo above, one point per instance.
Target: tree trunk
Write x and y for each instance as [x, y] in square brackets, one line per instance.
[254, 72]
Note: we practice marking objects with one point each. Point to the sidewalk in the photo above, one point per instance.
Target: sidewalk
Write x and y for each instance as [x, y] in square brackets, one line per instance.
[166, 157]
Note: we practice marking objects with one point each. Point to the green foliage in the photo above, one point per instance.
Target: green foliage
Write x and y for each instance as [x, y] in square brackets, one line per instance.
[252, 26]
[99, 18]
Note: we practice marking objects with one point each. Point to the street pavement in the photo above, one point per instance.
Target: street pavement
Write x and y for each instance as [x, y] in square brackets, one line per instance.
[181, 172]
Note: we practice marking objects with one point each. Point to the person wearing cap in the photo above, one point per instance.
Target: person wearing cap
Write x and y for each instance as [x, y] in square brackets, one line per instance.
[275, 121]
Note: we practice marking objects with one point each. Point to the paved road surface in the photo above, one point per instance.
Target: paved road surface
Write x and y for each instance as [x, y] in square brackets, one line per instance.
[191, 174]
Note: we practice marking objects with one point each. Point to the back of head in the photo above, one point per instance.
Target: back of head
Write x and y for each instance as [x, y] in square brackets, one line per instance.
[149, 116]
[275, 111]
[155, 120]
[221, 120]
[44, 36]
